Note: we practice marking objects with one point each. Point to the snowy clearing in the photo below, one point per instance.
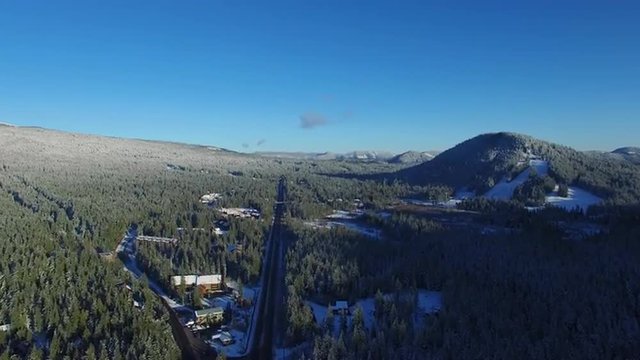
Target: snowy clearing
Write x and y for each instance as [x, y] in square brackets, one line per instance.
[427, 302]
[504, 189]
[361, 229]
[451, 203]
[577, 198]
[345, 215]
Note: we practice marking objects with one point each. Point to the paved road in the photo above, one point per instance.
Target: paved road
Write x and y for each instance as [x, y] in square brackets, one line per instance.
[271, 306]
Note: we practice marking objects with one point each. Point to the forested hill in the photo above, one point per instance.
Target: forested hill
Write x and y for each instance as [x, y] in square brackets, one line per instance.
[66, 198]
[629, 153]
[482, 161]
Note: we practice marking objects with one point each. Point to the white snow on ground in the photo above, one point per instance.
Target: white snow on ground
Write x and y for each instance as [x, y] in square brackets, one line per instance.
[362, 229]
[504, 189]
[130, 265]
[250, 293]
[232, 350]
[420, 202]
[428, 302]
[345, 215]
[242, 325]
[319, 311]
[225, 302]
[240, 347]
[291, 353]
[368, 307]
[451, 203]
[577, 198]
[463, 193]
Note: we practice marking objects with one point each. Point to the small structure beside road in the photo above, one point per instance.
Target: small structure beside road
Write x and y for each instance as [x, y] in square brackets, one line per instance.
[209, 316]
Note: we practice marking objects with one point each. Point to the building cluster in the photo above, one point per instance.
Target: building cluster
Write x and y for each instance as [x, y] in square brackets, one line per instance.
[243, 213]
[210, 198]
[213, 315]
[207, 284]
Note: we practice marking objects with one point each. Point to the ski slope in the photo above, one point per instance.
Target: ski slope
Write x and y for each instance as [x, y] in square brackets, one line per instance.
[504, 189]
[577, 198]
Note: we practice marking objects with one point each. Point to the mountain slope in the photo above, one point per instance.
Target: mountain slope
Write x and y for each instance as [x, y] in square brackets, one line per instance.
[412, 157]
[482, 161]
[629, 153]
[409, 157]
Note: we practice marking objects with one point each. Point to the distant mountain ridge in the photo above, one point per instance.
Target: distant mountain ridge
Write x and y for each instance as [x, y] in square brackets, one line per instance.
[409, 157]
[413, 157]
[630, 153]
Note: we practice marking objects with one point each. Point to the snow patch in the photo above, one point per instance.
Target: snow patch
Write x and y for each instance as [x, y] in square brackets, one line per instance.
[345, 215]
[463, 194]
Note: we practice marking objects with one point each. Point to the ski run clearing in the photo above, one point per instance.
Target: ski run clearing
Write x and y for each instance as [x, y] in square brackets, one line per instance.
[505, 188]
[578, 198]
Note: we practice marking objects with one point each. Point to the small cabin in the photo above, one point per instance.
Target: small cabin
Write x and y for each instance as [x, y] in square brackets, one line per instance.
[341, 308]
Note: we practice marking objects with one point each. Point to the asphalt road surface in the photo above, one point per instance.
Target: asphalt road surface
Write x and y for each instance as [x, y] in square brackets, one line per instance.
[271, 305]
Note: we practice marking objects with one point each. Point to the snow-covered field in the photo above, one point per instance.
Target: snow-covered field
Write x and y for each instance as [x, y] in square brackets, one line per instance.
[504, 189]
[577, 198]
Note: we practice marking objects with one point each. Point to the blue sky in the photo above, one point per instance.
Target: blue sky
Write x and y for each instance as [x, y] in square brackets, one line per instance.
[392, 75]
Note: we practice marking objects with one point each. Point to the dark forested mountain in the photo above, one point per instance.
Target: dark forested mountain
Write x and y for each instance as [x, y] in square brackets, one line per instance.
[629, 153]
[482, 161]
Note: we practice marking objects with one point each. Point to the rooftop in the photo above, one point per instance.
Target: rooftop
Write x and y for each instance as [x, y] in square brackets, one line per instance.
[209, 311]
[213, 279]
[341, 305]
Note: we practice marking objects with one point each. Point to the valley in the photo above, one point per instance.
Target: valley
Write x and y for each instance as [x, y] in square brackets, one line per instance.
[344, 266]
